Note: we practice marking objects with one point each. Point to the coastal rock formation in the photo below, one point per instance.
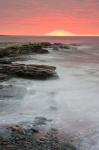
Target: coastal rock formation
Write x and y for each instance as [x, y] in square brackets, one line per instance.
[31, 71]
[18, 137]
[23, 49]
[58, 46]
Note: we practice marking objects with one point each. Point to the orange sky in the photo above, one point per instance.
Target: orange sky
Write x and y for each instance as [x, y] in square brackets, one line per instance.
[30, 17]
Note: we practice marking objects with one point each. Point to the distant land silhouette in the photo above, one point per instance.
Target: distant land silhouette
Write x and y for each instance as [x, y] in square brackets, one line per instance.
[3, 35]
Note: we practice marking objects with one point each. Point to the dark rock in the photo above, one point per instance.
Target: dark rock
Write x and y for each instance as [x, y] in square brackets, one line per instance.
[20, 139]
[29, 71]
[42, 51]
[5, 61]
[34, 130]
[65, 46]
[4, 77]
[23, 49]
[58, 46]
[45, 44]
[74, 44]
[17, 128]
[41, 121]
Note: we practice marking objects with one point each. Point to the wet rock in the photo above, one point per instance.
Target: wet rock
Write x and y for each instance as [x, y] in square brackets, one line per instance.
[42, 51]
[45, 44]
[23, 49]
[4, 77]
[41, 121]
[17, 128]
[5, 61]
[65, 46]
[20, 139]
[58, 46]
[29, 71]
[74, 44]
[32, 48]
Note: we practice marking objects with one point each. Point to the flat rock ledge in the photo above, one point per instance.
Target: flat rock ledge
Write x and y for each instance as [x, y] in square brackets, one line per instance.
[17, 137]
[31, 71]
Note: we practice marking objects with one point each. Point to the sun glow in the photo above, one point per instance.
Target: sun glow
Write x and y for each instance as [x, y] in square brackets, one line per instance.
[59, 33]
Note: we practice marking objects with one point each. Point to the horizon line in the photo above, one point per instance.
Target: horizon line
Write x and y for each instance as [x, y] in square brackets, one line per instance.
[46, 35]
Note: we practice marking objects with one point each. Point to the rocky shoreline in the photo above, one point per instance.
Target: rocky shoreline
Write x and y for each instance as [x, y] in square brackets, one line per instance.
[19, 136]
[13, 51]
[9, 69]
[8, 55]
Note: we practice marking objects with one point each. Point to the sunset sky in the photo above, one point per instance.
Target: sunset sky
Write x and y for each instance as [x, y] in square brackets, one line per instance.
[49, 17]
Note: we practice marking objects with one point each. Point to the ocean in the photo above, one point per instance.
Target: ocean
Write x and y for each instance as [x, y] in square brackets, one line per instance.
[71, 101]
[93, 40]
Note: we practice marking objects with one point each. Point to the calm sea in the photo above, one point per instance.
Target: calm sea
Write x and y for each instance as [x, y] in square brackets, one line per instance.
[92, 40]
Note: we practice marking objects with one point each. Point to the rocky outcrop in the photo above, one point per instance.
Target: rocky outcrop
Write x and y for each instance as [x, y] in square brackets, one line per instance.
[22, 49]
[59, 46]
[18, 137]
[31, 71]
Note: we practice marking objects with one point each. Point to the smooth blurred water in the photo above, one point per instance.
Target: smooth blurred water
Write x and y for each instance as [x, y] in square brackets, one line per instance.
[92, 40]
[71, 102]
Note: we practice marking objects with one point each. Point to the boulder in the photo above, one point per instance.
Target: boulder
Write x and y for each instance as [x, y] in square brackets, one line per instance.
[31, 71]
